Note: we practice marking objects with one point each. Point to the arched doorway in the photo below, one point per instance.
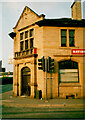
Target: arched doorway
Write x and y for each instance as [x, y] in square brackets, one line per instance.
[25, 80]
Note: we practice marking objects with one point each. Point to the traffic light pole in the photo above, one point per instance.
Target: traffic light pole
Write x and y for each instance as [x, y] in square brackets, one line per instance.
[46, 75]
[51, 84]
[47, 65]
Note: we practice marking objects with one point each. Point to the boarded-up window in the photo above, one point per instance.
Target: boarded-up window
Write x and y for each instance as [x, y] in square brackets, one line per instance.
[68, 75]
[68, 71]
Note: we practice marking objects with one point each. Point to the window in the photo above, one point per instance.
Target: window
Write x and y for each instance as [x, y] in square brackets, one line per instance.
[26, 34]
[68, 71]
[68, 64]
[26, 44]
[63, 38]
[31, 43]
[21, 36]
[26, 40]
[71, 38]
[67, 38]
[31, 32]
[21, 45]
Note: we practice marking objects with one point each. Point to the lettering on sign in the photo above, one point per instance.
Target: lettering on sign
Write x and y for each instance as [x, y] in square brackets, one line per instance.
[78, 51]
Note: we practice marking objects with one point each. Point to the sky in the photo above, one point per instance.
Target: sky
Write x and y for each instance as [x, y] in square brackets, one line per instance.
[11, 11]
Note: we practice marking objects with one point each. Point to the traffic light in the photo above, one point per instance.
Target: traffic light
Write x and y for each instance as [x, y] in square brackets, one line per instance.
[50, 64]
[41, 63]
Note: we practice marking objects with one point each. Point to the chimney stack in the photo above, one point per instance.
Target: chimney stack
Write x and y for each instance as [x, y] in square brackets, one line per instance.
[76, 10]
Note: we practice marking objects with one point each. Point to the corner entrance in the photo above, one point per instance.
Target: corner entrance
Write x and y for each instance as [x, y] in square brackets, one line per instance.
[25, 81]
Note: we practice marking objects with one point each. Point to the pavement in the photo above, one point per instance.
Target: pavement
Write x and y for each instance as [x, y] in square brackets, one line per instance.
[9, 99]
[26, 107]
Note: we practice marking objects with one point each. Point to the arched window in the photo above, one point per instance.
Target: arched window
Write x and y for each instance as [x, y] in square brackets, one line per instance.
[68, 71]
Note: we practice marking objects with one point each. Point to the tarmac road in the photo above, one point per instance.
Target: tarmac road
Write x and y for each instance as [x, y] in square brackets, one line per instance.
[25, 107]
[40, 113]
[6, 88]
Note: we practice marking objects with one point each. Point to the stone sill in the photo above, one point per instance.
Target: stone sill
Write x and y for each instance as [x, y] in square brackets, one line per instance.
[25, 56]
[69, 85]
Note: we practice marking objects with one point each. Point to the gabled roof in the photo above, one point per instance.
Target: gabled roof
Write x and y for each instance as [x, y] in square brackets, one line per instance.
[62, 22]
[30, 10]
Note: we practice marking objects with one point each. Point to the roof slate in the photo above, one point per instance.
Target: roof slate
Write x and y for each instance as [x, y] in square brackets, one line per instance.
[62, 22]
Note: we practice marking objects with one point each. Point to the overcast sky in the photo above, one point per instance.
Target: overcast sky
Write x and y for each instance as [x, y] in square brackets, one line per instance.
[11, 11]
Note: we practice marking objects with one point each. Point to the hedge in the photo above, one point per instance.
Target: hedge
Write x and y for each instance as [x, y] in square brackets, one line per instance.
[6, 80]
